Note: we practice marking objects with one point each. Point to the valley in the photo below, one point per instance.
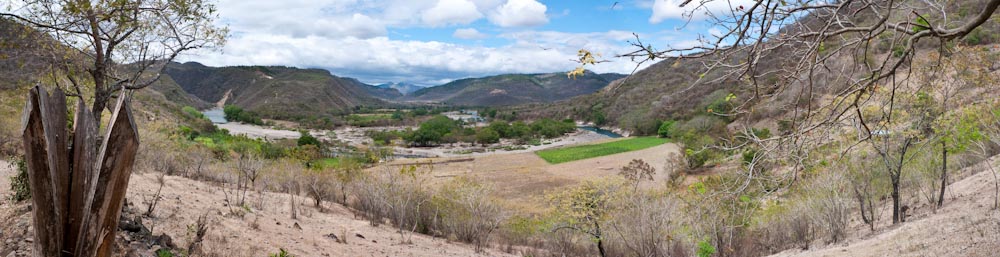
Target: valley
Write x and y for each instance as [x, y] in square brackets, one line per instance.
[720, 128]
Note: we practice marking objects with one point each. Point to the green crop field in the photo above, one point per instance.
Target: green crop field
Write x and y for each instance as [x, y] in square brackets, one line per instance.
[568, 154]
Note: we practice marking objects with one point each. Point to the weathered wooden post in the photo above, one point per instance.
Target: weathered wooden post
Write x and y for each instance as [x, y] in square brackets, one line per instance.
[77, 188]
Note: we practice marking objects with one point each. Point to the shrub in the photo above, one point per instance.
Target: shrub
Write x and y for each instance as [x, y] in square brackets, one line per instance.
[466, 211]
[307, 139]
[235, 113]
[665, 128]
[502, 128]
[193, 113]
[705, 248]
[487, 136]
[19, 182]
[281, 253]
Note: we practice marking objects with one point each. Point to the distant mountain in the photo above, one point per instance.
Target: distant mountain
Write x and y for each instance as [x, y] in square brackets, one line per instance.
[402, 87]
[278, 92]
[513, 89]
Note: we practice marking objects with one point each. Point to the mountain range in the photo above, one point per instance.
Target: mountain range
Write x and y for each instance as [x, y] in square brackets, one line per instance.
[513, 89]
[403, 87]
[292, 93]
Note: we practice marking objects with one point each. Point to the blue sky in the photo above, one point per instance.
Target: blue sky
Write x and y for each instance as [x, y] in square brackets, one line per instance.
[431, 42]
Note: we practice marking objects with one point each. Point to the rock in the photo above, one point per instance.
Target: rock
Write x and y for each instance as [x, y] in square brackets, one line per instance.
[29, 240]
[359, 235]
[11, 254]
[332, 236]
[296, 225]
[165, 241]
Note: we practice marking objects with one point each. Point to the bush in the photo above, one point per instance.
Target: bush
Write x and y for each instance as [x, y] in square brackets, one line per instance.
[665, 128]
[549, 128]
[19, 182]
[466, 211]
[307, 139]
[281, 253]
[502, 128]
[235, 113]
[193, 113]
[487, 136]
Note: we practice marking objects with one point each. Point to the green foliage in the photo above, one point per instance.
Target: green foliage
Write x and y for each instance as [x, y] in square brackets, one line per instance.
[922, 25]
[487, 136]
[598, 118]
[568, 154]
[235, 113]
[384, 137]
[502, 128]
[192, 112]
[719, 102]
[974, 38]
[369, 120]
[306, 139]
[705, 248]
[19, 182]
[696, 135]
[550, 128]
[164, 252]
[441, 129]
[281, 253]
[665, 128]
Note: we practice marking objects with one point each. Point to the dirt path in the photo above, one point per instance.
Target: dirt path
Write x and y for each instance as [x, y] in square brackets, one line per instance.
[966, 226]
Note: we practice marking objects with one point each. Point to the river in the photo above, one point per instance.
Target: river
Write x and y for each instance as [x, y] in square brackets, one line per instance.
[601, 131]
[216, 115]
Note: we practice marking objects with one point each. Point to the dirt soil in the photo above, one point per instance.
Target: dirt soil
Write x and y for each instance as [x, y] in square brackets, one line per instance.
[967, 225]
[524, 178]
[183, 201]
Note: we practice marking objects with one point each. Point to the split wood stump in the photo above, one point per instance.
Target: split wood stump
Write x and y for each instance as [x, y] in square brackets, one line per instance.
[77, 188]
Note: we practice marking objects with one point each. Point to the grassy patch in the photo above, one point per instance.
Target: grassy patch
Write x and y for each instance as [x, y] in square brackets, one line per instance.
[327, 163]
[569, 154]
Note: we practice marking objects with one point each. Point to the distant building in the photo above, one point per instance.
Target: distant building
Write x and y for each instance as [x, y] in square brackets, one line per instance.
[467, 116]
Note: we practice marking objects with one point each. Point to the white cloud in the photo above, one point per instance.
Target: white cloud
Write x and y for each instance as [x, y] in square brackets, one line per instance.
[449, 12]
[469, 33]
[422, 62]
[520, 13]
[695, 10]
[715, 32]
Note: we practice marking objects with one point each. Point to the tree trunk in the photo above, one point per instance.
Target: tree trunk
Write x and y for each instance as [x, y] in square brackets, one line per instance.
[861, 205]
[897, 216]
[944, 173]
[600, 242]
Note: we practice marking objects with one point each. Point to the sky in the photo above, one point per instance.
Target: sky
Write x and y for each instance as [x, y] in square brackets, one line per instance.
[432, 42]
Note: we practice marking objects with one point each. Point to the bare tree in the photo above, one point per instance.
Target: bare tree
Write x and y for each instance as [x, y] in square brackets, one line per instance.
[123, 44]
[829, 63]
[636, 171]
[249, 166]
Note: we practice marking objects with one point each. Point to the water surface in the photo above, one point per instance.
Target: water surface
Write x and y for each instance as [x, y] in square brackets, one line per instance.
[601, 131]
[216, 115]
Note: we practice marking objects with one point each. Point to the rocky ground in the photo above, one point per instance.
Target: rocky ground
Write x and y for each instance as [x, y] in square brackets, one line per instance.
[263, 227]
[967, 225]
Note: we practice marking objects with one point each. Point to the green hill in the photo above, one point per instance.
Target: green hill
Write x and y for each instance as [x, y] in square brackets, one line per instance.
[278, 92]
[513, 89]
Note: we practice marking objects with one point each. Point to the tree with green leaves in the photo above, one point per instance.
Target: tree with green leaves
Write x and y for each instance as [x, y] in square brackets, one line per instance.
[117, 45]
[487, 136]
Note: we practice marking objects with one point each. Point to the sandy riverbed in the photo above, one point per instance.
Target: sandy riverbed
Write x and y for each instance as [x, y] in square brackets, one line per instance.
[357, 136]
